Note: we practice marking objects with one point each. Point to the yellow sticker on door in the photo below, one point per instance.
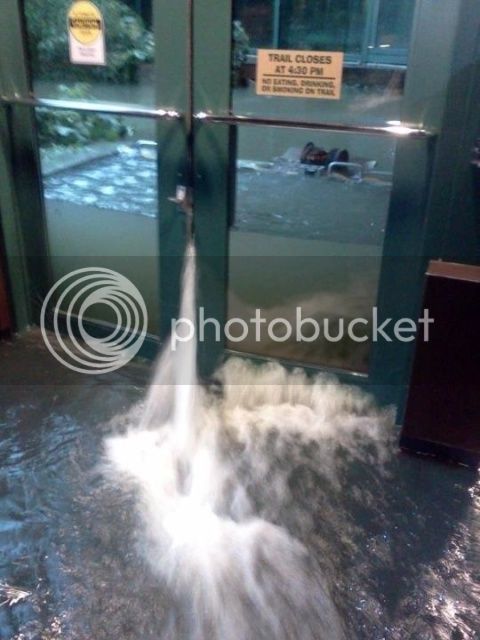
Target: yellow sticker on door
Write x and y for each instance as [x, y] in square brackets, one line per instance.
[86, 33]
[299, 74]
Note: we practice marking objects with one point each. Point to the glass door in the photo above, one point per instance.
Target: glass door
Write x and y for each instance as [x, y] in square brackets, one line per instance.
[317, 164]
[309, 182]
[312, 201]
[106, 138]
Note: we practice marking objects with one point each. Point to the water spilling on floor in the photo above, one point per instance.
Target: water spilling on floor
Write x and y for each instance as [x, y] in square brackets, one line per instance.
[217, 506]
[240, 574]
[271, 506]
[201, 460]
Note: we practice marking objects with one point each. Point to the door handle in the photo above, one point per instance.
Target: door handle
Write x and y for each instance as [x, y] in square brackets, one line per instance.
[183, 198]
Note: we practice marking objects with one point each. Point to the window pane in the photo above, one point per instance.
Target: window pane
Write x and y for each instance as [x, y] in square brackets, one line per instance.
[375, 46]
[327, 25]
[256, 16]
[100, 189]
[128, 73]
[395, 23]
[304, 237]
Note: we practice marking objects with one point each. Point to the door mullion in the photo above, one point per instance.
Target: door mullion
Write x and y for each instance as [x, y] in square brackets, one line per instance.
[213, 167]
[171, 33]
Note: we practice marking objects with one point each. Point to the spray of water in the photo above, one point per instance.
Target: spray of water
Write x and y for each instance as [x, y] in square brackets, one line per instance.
[213, 478]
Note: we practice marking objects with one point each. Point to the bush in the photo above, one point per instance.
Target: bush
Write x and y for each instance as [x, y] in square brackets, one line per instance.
[127, 41]
[66, 128]
[241, 44]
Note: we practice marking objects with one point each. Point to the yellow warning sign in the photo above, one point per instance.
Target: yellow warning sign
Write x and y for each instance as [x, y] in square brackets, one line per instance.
[299, 74]
[86, 33]
[85, 21]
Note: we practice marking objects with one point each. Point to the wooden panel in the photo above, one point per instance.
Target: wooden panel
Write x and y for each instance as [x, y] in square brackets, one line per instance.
[443, 408]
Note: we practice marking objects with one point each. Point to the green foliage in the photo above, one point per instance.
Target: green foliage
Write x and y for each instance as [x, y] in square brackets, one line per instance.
[65, 128]
[240, 51]
[128, 43]
[241, 44]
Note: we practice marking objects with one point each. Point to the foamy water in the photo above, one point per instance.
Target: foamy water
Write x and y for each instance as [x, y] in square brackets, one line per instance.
[239, 569]
[201, 459]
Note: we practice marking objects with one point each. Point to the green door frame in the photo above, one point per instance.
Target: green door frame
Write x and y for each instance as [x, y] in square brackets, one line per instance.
[441, 86]
[21, 199]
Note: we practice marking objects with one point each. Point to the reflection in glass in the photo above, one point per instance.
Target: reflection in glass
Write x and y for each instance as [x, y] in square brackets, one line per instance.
[374, 36]
[100, 190]
[394, 24]
[257, 18]
[322, 26]
[308, 231]
[128, 74]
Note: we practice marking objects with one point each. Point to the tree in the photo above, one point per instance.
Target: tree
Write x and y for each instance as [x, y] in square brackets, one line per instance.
[128, 42]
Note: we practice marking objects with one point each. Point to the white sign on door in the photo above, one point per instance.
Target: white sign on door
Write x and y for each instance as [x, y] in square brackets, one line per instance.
[86, 33]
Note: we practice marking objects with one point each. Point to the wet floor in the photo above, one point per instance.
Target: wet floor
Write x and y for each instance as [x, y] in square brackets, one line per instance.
[397, 536]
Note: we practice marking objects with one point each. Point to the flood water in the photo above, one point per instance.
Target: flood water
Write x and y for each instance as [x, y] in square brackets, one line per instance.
[390, 541]
[275, 197]
[107, 208]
